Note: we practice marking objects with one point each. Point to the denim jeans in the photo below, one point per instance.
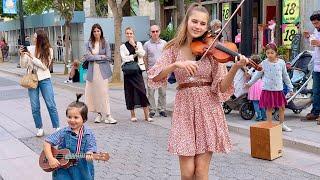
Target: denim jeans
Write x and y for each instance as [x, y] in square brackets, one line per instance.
[260, 112]
[45, 86]
[316, 93]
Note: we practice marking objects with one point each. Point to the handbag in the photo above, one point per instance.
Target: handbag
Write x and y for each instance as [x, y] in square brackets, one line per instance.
[172, 78]
[131, 67]
[85, 64]
[30, 79]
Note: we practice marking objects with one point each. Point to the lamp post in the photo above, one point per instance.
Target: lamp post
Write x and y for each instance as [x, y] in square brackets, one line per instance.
[22, 35]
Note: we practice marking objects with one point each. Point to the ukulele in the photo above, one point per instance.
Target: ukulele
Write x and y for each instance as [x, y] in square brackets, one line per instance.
[67, 159]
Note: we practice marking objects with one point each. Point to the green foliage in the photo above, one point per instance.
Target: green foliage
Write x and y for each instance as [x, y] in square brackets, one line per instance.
[102, 8]
[168, 34]
[40, 6]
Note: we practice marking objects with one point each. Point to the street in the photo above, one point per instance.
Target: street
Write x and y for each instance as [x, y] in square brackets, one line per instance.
[137, 150]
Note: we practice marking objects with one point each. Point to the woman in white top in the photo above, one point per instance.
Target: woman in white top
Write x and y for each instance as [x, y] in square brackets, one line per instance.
[134, 88]
[39, 57]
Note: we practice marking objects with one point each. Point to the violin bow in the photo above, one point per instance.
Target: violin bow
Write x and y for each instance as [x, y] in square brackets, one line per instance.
[224, 26]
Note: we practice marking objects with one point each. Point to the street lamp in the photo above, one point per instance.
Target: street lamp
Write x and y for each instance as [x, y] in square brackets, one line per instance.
[22, 35]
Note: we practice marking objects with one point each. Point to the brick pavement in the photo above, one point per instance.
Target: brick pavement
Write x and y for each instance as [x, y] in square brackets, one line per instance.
[138, 151]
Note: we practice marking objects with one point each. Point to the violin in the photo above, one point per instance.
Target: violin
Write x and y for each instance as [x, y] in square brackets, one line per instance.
[222, 52]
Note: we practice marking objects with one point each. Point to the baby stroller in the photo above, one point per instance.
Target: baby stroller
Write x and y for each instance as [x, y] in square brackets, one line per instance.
[299, 69]
[242, 104]
[300, 72]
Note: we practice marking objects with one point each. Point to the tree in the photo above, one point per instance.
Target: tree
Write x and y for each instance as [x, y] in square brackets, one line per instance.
[116, 8]
[65, 9]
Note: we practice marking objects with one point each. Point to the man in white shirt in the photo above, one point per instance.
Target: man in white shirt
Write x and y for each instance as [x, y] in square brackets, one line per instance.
[315, 42]
[153, 49]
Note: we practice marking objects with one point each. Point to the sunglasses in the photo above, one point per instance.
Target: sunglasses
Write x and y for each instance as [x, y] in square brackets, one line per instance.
[155, 31]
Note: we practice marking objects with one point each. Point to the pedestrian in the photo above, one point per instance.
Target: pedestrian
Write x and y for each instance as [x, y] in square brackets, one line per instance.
[39, 57]
[134, 88]
[74, 75]
[4, 50]
[315, 42]
[215, 27]
[198, 126]
[98, 53]
[273, 75]
[153, 48]
[254, 92]
[67, 138]
[59, 48]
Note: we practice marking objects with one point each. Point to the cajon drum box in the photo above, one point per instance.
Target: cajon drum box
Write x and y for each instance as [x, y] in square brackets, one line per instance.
[266, 140]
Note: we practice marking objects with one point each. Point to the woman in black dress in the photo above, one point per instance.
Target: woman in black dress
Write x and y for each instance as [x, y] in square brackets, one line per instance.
[134, 88]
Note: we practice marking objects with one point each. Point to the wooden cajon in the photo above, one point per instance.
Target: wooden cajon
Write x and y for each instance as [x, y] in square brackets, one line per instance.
[266, 140]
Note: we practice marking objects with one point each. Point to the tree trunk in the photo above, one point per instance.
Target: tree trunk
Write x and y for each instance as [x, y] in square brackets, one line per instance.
[157, 13]
[181, 10]
[117, 58]
[93, 12]
[67, 45]
[117, 16]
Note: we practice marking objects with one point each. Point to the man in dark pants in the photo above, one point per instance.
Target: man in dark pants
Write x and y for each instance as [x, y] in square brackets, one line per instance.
[315, 42]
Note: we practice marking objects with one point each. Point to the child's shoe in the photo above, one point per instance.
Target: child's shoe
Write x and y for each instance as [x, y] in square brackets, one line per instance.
[40, 132]
[98, 119]
[286, 128]
[110, 120]
[57, 129]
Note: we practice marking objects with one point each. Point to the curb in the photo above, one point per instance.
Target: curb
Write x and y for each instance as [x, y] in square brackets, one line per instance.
[290, 142]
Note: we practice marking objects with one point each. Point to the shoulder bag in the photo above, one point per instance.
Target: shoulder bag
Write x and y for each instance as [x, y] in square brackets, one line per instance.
[30, 79]
[130, 68]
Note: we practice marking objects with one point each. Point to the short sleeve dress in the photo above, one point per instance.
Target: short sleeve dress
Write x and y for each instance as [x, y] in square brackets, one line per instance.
[198, 121]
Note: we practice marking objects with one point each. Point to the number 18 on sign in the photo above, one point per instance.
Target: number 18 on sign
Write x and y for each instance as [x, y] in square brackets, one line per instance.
[289, 30]
[290, 11]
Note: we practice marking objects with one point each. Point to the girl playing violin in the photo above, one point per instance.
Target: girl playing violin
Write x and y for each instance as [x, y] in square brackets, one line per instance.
[198, 123]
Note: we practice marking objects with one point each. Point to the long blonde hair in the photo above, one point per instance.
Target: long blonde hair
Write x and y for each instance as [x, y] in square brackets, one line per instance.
[181, 35]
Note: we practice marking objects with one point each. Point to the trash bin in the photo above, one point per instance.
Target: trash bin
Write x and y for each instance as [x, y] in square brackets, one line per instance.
[83, 74]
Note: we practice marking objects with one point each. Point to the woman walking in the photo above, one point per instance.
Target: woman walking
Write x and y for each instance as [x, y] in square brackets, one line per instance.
[98, 54]
[39, 57]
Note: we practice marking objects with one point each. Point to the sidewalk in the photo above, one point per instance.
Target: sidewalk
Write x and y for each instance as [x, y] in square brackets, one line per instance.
[305, 135]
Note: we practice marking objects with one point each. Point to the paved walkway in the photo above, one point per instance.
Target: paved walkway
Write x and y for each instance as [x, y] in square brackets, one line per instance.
[305, 135]
[138, 150]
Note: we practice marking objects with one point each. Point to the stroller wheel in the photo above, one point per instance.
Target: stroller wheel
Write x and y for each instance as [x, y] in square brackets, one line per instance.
[297, 111]
[226, 108]
[247, 111]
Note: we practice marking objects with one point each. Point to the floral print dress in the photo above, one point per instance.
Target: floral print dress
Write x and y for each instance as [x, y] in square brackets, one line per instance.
[198, 121]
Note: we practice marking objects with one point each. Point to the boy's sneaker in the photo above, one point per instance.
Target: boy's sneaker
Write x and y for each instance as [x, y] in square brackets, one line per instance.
[40, 132]
[286, 128]
[110, 120]
[98, 119]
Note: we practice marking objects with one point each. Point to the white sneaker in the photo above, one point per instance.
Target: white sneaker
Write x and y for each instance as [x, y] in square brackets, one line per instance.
[57, 129]
[286, 128]
[68, 81]
[40, 132]
[98, 119]
[110, 120]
